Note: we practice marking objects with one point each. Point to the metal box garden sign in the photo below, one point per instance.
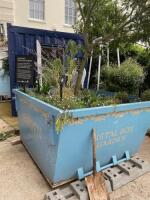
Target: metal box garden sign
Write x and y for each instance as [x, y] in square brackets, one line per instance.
[67, 154]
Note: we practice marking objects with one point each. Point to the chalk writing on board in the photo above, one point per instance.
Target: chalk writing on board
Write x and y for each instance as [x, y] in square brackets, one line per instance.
[24, 69]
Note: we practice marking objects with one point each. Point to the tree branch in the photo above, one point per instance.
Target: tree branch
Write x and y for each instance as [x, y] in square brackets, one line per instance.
[81, 10]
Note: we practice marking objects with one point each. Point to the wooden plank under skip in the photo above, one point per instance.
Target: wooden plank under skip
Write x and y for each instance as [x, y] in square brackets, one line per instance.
[96, 187]
[16, 140]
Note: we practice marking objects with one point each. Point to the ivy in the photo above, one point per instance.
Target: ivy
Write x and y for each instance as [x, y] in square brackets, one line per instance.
[62, 120]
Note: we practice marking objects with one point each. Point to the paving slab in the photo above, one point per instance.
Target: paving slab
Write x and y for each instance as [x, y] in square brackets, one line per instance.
[19, 177]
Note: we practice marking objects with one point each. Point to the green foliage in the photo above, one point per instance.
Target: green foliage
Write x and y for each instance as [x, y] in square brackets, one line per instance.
[5, 136]
[5, 66]
[71, 51]
[122, 97]
[139, 18]
[146, 95]
[127, 78]
[52, 72]
[67, 103]
[54, 69]
[138, 52]
[85, 100]
[62, 120]
[142, 55]
[91, 99]
[116, 22]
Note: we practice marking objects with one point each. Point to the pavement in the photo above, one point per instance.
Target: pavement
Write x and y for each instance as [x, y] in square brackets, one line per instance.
[20, 179]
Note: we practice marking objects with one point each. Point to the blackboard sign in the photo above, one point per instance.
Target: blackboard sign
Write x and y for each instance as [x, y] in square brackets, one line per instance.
[24, 69]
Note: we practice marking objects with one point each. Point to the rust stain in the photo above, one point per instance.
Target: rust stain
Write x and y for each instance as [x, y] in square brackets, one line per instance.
[32, 106]
[100, 118]
[88, 118]
[119, 114]
[135, 112]
[76, 121]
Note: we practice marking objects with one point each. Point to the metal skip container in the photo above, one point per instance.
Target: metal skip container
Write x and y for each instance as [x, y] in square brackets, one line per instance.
[67, 155]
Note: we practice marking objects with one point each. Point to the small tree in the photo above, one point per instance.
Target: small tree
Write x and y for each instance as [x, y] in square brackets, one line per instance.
[138, 20]
[99, 18]
[124, 22]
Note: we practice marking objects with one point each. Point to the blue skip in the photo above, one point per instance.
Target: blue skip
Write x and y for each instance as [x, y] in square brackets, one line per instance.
[67, 155]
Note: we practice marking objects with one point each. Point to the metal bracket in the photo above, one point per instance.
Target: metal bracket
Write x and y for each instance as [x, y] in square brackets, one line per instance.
[82, 175]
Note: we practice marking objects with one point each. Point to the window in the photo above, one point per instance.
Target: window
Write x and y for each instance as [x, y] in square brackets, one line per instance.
[37, 9]
[70, 12]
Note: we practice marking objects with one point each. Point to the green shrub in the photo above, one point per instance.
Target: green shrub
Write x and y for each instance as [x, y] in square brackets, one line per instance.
[128, 77]
[122, 97]
[146, 95]
[69, 101]
[54, 69]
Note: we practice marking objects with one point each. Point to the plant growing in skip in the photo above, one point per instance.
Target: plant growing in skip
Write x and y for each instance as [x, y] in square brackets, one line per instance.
[70, 52]
[55, 69]
[62, 120]
[52, 72]
[129, 77]
[123, 97]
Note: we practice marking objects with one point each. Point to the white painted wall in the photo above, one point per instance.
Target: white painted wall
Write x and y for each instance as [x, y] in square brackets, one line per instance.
[6, 13]
[17, 13]
[54, 16]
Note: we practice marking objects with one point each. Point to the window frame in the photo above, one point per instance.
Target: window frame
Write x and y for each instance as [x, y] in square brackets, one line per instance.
[34, 18]
[66, 15]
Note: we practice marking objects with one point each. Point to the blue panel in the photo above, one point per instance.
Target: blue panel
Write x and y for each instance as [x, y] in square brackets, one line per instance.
[29, 44]
[20, 44]
[21, 39]
[120, 132]
[47, 40]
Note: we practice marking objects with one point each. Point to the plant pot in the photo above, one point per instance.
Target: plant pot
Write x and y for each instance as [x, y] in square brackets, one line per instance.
[67, 155]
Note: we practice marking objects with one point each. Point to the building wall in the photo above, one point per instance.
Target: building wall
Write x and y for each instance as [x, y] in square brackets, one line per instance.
[6, 10]
[54, 15]
[6, 13]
